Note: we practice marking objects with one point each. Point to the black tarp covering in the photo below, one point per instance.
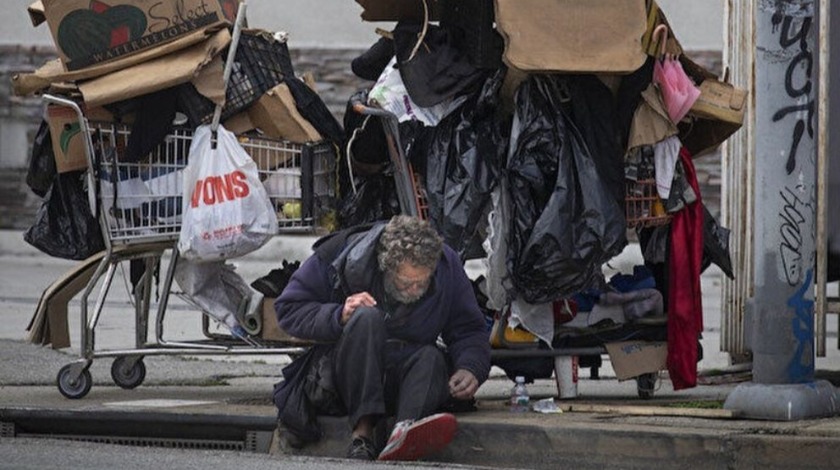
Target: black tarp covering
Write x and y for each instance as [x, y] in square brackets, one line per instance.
[566, 219]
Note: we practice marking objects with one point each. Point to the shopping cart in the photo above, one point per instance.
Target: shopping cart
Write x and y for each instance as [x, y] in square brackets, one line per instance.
[138, 205]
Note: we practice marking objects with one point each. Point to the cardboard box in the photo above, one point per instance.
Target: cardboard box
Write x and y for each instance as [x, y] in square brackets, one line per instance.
[67, 138]
[276, 115]
[573, 36]
[88, 32]
[271, 330]
[634, 358]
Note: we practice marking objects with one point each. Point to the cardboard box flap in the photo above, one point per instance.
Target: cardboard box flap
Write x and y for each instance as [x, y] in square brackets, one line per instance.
[156, 74]
[390, 10]
[90, 32]
[573, 36]
[276, 115]
[54, 71]
[36, 13]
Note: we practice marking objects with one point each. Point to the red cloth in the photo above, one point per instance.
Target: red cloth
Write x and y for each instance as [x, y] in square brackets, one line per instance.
[685, 306]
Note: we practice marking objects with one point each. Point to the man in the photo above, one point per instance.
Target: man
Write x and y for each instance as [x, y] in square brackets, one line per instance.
[376, 299]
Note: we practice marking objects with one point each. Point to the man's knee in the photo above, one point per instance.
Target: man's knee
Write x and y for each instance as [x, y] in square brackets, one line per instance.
[432, 356]
[366, 320]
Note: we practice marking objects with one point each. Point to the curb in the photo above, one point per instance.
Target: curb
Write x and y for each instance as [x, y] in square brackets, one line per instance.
[490, 439]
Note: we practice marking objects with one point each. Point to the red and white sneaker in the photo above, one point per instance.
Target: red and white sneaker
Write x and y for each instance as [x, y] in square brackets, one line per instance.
[411, 440]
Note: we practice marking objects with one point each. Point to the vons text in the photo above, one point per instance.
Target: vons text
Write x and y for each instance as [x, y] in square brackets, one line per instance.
[217, 189]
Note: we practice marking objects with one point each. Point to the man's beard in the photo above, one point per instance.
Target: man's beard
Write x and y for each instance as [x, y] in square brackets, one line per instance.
[395, 294]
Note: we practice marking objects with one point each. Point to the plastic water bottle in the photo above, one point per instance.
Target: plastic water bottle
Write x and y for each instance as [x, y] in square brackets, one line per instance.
[519, 398]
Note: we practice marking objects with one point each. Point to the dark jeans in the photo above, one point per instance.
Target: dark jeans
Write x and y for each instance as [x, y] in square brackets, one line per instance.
[411, 387]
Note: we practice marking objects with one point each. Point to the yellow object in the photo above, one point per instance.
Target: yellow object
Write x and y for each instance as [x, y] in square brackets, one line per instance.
[503, 337]
[292, 210]
[658, 209]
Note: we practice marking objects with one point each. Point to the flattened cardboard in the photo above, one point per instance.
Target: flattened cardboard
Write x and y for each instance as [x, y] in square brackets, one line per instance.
[651, 123]
[573, 36]
[89, 32]
[210, 81]
[53, 71]
[634, 358]
[154, 75]
[277, 117]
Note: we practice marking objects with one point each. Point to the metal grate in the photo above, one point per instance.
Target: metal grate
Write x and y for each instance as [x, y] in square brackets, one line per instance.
[7, 429]
[170, 443]
[643, 207]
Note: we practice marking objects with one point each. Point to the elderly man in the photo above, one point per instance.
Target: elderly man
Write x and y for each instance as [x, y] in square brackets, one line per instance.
[376, 300]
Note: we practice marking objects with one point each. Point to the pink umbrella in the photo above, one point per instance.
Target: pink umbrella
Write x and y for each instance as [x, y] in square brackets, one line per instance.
[678, 91]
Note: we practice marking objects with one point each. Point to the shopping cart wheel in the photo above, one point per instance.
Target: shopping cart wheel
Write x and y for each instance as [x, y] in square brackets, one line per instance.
[73, 388]
[646, 385]
[128, 371]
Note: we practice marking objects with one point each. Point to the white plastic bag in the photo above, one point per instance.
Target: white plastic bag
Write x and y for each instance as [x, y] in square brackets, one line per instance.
[390, 94]
[226, 211]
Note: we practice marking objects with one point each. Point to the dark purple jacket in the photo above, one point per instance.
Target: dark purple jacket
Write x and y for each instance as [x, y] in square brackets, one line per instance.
[311, 304]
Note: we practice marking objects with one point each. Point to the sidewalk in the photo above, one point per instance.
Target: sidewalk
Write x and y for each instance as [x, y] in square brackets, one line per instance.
[224, 402]
[208, 404]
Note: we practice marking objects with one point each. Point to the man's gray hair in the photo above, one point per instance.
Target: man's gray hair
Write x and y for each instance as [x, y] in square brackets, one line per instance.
[408, 239]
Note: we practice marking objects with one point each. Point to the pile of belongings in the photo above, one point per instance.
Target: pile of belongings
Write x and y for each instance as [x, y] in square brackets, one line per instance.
[147, 71]
[531, 139]
[149, 76]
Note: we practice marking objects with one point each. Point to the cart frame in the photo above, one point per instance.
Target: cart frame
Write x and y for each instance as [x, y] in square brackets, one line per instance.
[130, 243]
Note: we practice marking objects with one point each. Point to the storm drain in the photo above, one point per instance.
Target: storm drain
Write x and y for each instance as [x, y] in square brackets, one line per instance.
[193, 444]
[7, 429]
[147, 429]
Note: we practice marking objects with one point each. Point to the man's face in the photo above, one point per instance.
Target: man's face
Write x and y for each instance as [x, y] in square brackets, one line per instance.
[407, 283]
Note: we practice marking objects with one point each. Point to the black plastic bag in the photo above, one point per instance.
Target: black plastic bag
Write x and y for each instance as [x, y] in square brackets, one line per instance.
[566, 222]
[64, 226]
[715, 245]
[375, 199]
[42, 169]
[434, 70]
[463, 164]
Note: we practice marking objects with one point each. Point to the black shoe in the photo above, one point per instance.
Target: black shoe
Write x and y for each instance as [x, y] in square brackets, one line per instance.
[361, 448]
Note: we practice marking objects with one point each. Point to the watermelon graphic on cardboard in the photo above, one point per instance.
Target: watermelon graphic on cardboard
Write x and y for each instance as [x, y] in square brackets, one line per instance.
[83, 33]
[91, 32]
[229, 9]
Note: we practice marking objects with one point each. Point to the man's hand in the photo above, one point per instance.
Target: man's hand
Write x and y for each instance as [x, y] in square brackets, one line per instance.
[463, 384]
[362, 299]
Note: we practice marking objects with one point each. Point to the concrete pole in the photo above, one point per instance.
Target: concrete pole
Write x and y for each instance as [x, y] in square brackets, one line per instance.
[780, 325]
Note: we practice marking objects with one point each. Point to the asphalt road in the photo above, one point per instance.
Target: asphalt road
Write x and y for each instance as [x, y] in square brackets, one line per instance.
[38, 454]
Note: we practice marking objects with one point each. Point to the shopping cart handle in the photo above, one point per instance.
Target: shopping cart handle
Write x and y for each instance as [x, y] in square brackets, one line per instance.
[361, 108]
[52, 99]
[88, 145]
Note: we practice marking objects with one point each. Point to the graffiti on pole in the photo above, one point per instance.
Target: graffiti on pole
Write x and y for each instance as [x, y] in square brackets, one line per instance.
[793, 222]
[801, 365]
[794, 33]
